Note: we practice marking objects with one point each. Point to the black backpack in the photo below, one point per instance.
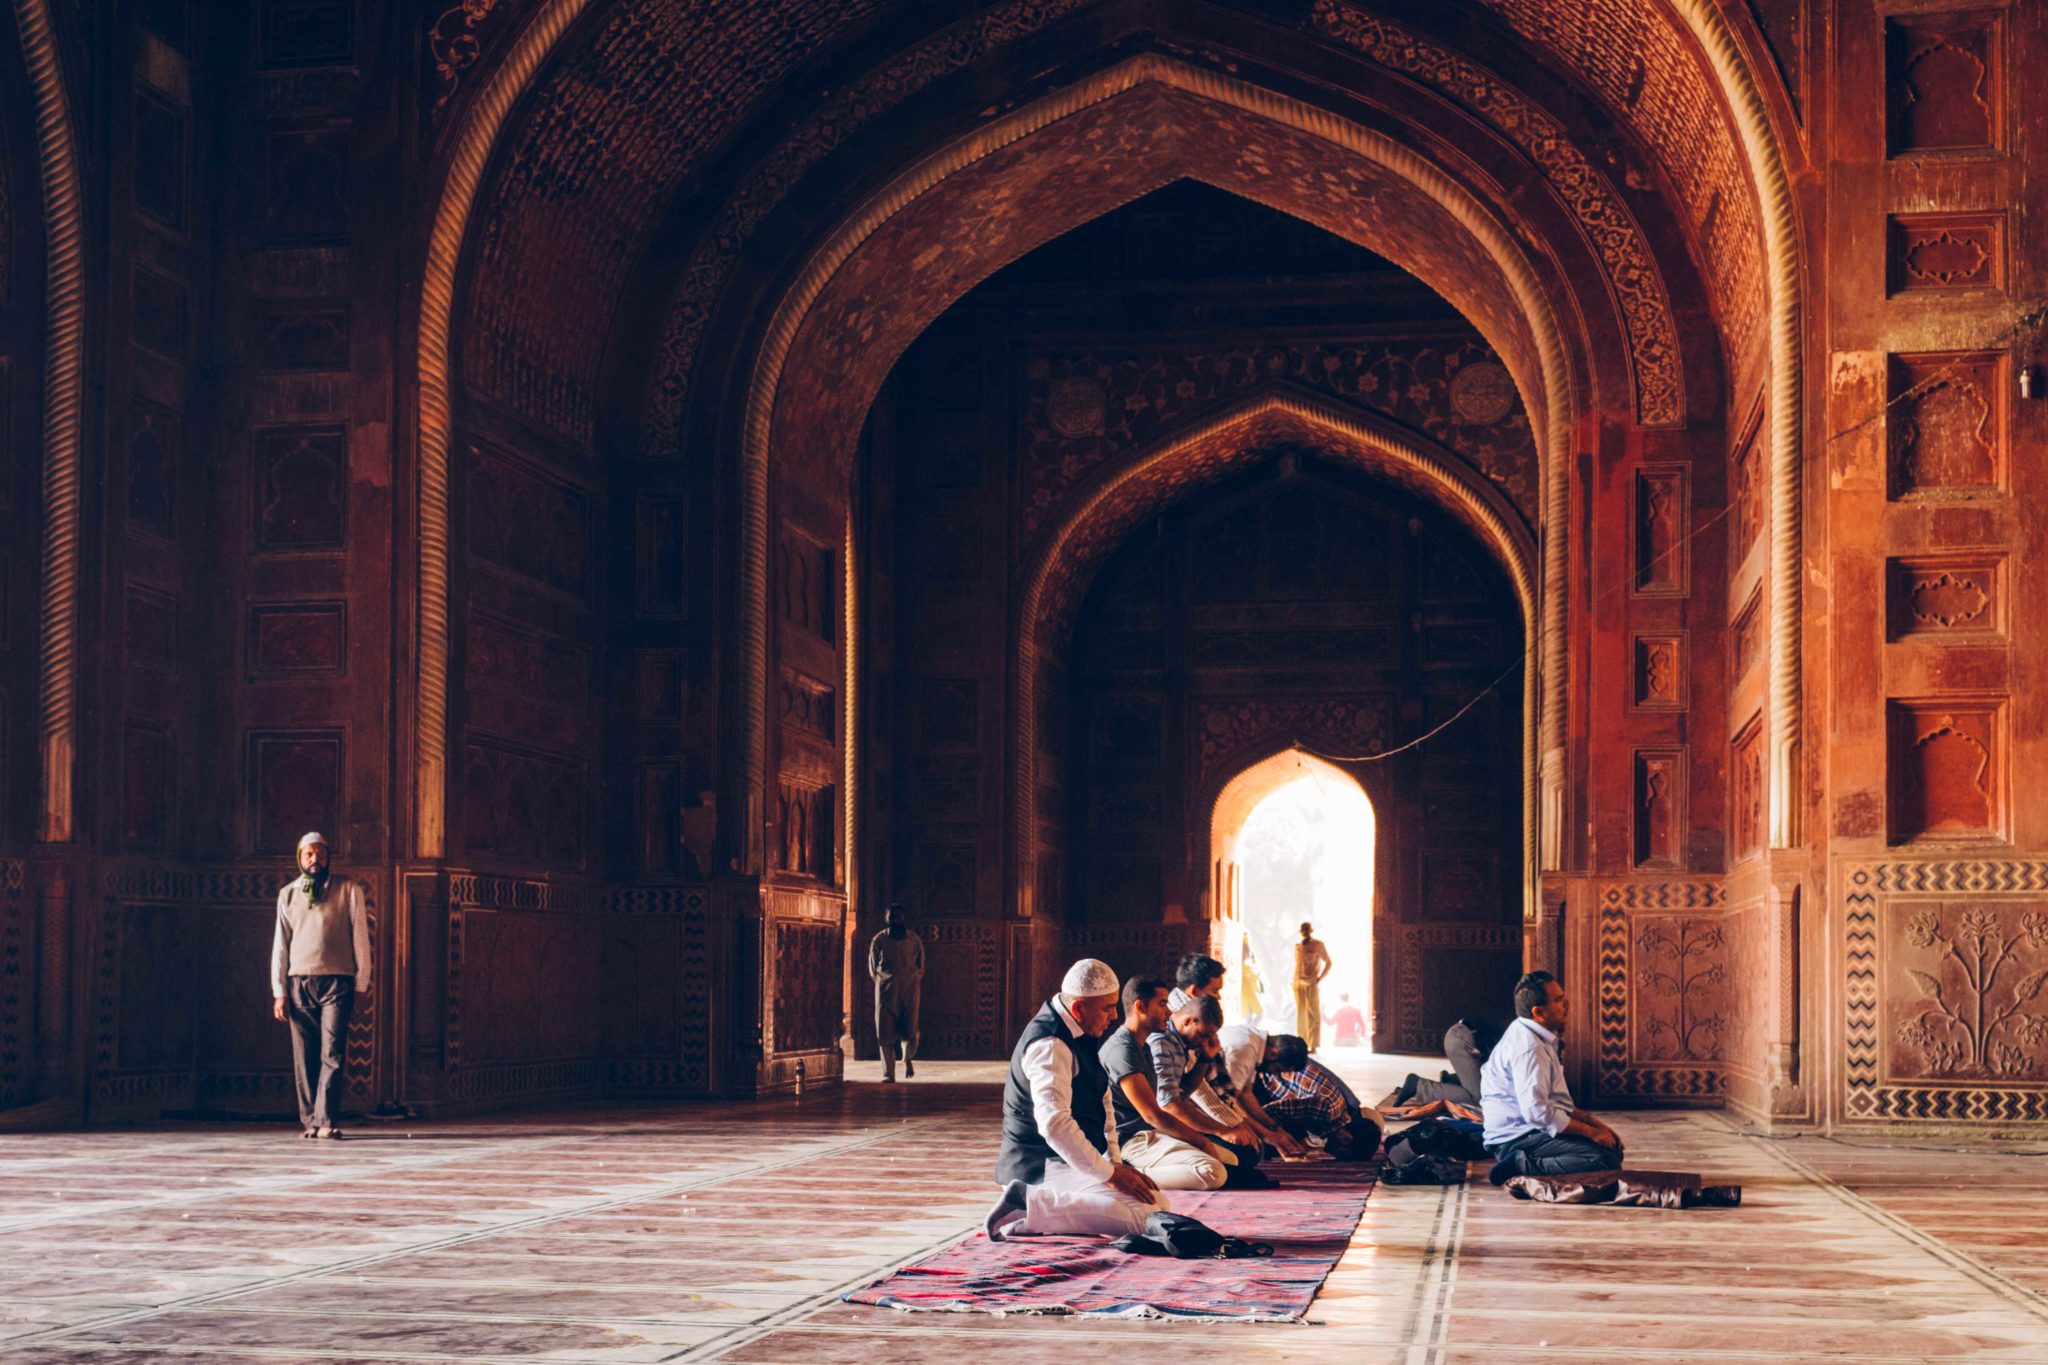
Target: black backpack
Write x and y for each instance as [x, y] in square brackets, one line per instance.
[1188, 1239]
[1426, 1170]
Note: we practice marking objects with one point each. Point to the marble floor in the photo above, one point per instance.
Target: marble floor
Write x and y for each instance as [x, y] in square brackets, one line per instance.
[728, 1231]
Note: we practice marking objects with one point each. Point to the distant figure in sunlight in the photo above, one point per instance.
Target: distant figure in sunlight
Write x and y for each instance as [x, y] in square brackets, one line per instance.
[1348, 1022]
[1311, 965]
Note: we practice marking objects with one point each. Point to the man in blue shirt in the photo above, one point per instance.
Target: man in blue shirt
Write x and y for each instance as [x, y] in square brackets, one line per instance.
[1532, 1126]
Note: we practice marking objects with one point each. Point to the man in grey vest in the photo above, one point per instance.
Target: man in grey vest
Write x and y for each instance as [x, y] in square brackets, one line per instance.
[1060, 1167]
[319, 963]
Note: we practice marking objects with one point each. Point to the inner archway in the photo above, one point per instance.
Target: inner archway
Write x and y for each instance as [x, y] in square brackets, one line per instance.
[1294, 840]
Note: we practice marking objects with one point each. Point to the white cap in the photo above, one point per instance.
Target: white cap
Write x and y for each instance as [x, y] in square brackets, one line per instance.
[311, 837]
[1089, 977]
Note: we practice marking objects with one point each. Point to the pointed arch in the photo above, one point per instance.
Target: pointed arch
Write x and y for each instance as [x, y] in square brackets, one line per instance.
[1225, 440]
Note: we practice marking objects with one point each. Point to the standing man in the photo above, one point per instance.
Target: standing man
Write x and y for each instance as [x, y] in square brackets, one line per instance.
[319, 963]
[1311, 965]
[1532, 1126]
[1060, 1166]
[896, 962]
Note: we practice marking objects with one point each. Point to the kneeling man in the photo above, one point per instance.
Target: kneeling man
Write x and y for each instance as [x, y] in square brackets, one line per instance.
[1532, 1127]
[1154, 1139]
[1060, 1166]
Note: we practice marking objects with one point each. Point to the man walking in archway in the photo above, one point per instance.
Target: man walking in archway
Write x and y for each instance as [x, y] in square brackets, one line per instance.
[896, 962]
[1311, 965]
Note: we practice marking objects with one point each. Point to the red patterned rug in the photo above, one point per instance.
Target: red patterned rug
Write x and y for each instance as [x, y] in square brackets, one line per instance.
[1309, 1221]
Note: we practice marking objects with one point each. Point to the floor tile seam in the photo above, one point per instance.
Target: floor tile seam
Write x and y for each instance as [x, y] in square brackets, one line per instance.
[1426, 1347]
[383, 1255]
[1964, 1263]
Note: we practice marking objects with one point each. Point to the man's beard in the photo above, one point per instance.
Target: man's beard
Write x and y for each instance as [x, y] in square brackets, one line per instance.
[315, 884]
[895, 931]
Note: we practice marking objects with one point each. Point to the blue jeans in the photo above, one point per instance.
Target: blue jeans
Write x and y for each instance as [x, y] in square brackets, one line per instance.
[1539, 1153]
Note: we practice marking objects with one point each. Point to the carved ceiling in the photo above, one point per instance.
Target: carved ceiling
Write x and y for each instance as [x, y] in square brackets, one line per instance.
[645, 91]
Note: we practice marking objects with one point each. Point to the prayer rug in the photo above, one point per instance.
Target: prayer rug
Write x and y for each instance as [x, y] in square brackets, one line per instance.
[1308, 1220]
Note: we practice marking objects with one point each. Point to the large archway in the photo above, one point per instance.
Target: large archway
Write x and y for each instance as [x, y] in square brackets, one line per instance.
[807, 340]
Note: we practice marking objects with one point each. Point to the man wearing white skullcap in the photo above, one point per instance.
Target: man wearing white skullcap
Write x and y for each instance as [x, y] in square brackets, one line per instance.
[1060, 1169]
[319, 963]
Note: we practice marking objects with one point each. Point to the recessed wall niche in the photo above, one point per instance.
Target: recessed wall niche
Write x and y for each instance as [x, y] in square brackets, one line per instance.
[1946, 429]
[1944, 82]
[1946, 768]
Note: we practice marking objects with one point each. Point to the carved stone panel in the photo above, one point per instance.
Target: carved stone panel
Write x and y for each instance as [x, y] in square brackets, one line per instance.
[1745, 497]
[148, 781]
[1944, 81]
[293, 785]
[1678, 989]
[297, 639]
[808, 965]
[1746, 635]
[301, 489]
[308, 32]
[807, 589]
[1947, 425]
[809, 705]
[658, 686]
[808, 827]
[1747, 832]
[150, 628]
[1946, 767]
[658, 818]
[1945, 1004]
[1946, 595]
[1932, 252]
[306, 191]
[522, 806]
[1662, 516]
[307, 338]
[1660, 808]
[947, 878]
[1966, 990]
[152, 472]
[949, 713]
[160, 161]
[659, 557]
[1660, 676]
[530, 524]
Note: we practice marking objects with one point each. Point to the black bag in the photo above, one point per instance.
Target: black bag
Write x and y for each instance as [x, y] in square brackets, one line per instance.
[1426, 1170]
[1434, 1138]
[1188, 1239]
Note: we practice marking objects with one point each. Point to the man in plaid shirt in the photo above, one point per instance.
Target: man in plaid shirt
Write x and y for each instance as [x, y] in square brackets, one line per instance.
[1311, 1101]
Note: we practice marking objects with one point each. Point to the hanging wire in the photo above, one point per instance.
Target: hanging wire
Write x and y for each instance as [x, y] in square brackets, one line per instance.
[1527, 655]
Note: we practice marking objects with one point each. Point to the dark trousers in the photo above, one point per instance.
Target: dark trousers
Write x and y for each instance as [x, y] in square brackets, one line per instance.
[318, 1007]
[1539, 1153]
[1459, 1051]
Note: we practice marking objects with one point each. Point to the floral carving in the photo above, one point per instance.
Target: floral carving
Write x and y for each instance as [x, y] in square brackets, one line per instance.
[455, 40]
[1973, 1017]
[1948, 600]
[1678, 966]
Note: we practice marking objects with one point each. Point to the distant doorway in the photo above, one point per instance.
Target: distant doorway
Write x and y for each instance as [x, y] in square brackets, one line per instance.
[1292, 839]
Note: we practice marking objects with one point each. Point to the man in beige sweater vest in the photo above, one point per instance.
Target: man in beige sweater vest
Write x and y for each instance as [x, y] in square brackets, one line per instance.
[319, 963]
